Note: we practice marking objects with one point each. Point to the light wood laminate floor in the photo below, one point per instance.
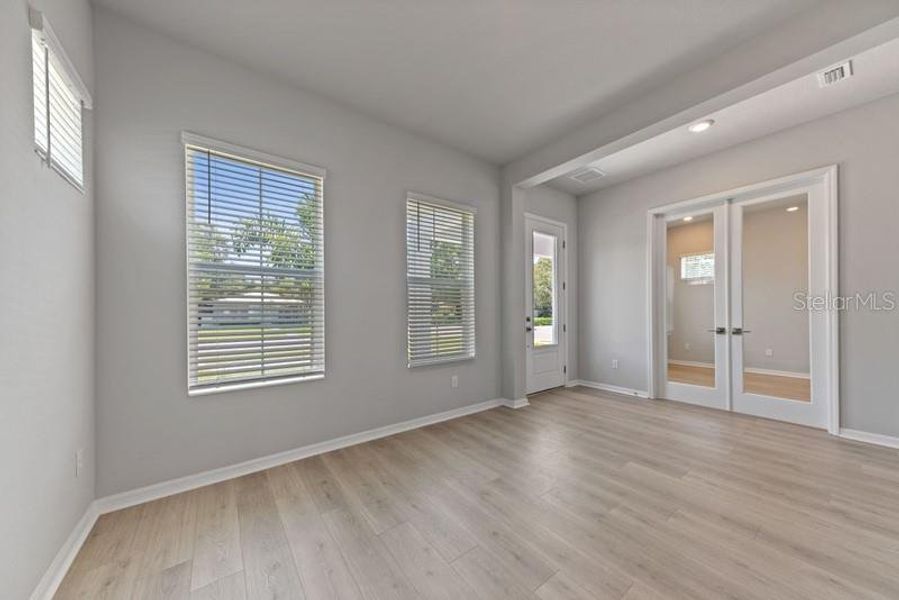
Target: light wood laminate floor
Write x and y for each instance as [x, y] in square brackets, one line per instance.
[581, 495]
[793, 388]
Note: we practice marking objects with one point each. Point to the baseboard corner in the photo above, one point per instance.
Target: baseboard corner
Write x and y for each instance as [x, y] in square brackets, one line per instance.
[517, 403]
[878, 439]
[59, 566]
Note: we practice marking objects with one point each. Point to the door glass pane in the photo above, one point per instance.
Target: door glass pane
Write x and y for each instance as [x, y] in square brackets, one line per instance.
[690, 305]
[545, 289]
[775, 269]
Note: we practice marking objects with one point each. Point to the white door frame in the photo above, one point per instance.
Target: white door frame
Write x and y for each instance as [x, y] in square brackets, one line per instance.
[563, 292]
[829, 391]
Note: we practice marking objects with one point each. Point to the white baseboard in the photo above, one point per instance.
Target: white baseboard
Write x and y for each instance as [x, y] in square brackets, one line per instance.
[190, 482]
[607, 387]
[870, 438]
[757, 371]
[63, 560]
[691, 363]
[777, 373]
[60, 564]
[518, 403]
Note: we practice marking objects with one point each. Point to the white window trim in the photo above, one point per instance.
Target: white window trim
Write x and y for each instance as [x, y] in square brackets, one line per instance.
[39, 22]
[249, 385]
[417, 196]
[441, 202]
[265, 159]
[243, 153]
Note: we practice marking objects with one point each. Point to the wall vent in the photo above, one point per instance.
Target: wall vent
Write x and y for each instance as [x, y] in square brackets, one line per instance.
[587, 174]
[834, 74]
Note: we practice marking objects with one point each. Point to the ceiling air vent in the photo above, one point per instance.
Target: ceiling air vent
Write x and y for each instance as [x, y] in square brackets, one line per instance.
[836, 73]
[586, 174]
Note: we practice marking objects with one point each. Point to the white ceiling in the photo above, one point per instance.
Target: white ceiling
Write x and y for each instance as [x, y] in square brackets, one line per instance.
[496, 78]
[876, 74]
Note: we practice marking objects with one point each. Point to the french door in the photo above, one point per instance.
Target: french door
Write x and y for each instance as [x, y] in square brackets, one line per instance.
[736, 280]
[696, 308]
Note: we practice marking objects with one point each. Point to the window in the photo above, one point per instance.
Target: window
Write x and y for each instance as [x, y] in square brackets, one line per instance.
[255, 267]
[544, 276]
[440, 281]
[698, 269]
[59, 95]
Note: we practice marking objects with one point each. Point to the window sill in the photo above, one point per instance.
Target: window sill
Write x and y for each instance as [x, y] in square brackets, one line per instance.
[438, 361]
[250, 385]
[52, 164]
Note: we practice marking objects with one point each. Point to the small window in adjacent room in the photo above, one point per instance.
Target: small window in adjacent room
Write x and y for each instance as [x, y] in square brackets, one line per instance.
[698, 269]
[59, 96]
[255, 279]
[439, 281]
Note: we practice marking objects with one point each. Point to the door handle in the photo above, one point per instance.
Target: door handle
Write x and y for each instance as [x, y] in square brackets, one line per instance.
[739, 331]
[528, 328]
[718, 330]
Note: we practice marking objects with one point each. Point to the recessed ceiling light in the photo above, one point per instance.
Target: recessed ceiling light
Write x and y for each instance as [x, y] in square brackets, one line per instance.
[700, 126]
[687, 219]
[793, 209]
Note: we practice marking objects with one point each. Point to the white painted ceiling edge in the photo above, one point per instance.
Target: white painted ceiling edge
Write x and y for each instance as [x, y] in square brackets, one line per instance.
[676, 105]
[875, 75]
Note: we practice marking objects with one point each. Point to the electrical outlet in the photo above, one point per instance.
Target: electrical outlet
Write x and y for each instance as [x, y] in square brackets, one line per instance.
[79, 462]
[769, 352]
[614, 363]
[454, 381]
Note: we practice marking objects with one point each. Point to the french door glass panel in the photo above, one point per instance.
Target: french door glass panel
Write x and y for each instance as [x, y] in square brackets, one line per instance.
[695, 309]
[773, 268]
[775, 336]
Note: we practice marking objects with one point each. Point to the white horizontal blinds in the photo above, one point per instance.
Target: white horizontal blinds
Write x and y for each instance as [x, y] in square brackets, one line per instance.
[440, 281]
[57, 111]
[65, 124]
[39, 84]
[698, 266]
[255, 273]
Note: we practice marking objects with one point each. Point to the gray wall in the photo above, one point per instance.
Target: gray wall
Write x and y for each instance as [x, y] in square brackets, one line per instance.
[559, 206]
[46, 313]
[864, 142]
[693, 306]
[149, 89]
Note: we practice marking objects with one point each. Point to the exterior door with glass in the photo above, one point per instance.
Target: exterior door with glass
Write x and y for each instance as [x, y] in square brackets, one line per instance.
[545, 292]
